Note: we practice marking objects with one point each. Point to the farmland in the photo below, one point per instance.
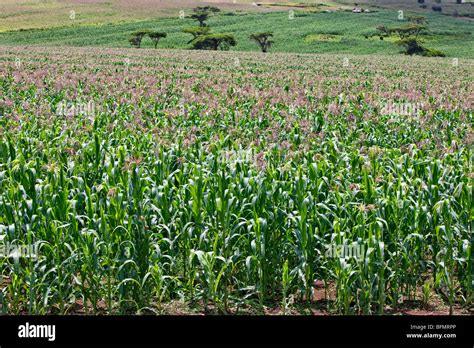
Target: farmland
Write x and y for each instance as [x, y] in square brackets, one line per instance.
[170, 181]
[291, 34]
[26, 14]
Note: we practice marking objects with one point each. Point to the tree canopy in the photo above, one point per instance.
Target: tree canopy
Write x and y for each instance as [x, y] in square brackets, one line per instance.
[137, 36]
[263, 40]
[156, 36]
[202, 13]
[409, 36]
[214, 42]
[196, 31]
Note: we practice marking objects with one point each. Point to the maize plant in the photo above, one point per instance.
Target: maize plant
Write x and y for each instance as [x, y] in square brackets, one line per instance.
[189, 180]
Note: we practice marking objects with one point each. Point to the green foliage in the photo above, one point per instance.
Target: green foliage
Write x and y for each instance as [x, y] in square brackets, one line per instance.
[412, 46]
[450, 35]
[201, 17]
[135, 41]
[430, 52]
[137, 36]
[202, 13]
[263, 40]
[405, 32]
[156, 36]
[196, 31]
[214, 42]
[209, 9]
[408, 35]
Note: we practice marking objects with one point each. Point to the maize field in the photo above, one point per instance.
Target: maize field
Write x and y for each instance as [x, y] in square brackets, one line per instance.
[227, 182]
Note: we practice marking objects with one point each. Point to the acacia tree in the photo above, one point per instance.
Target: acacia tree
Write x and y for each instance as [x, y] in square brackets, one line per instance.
[409, 36]
[135, 41]
[201, 17]
[196, 31]
[214, 42]
[263, 40]
[156, 36]
[202, 13]
[209, 9]
[137, 36]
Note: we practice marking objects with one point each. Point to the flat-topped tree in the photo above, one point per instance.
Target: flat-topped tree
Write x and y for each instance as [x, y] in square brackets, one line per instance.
[418, 20]
[137, 36]
[156, 36]
[416, 25]
[202, 13]
[201, 17]
[214, 42]
[135, 41]
[263, 40]
[209, 9]
[196, 31]
[409, 34]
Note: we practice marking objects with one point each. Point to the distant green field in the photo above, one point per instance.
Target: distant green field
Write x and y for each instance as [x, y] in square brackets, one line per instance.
[450, 35]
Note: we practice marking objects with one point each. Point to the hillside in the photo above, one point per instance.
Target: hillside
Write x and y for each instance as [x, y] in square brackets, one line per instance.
[26, 14]
[306, 32]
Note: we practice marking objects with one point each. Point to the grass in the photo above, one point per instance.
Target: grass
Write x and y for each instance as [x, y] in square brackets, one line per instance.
[452, 36]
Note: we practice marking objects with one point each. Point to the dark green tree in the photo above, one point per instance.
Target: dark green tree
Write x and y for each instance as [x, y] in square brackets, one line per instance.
[202, 13]
[409, 36]
[196, 31]
[201, 17]
[214, 42]
[263, 40]
[137, 36]
[156, 36]
[210, 9]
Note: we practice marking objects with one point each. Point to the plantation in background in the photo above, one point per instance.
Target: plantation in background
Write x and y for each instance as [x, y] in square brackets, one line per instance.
[295, 32]
[168, 181]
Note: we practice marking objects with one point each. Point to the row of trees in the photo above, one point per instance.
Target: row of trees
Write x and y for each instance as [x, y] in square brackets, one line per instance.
[137, 37]
[202, 37]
